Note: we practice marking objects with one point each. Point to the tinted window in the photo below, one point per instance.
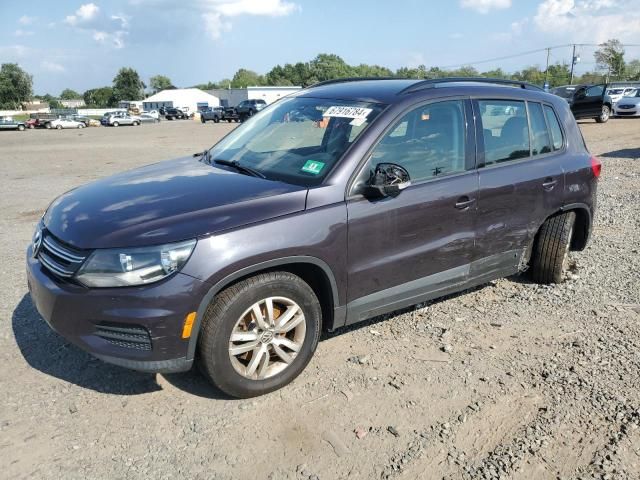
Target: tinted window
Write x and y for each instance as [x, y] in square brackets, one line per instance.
[540, 137]
[505, 130]
[554, 126]
[428, 141]
[595, 91]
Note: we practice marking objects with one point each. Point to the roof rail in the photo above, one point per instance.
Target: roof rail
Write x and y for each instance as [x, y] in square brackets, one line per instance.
[434, 82]
[351, 79]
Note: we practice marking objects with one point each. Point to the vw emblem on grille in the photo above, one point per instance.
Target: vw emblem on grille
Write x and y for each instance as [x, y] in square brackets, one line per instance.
[36, 243]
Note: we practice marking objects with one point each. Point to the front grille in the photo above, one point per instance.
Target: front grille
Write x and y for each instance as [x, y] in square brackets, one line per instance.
[626, 113]
[626, 107]
[125, 336]
[59, 258]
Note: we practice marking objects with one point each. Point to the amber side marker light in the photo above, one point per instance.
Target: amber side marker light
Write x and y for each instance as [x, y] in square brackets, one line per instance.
[188, 325]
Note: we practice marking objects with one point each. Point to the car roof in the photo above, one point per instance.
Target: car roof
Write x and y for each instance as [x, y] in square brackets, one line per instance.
[391, 91]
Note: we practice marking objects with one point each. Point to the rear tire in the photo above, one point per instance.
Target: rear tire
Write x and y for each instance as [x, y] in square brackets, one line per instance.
[549, 259]
[231, 312]
[116, 124]
[604, 115]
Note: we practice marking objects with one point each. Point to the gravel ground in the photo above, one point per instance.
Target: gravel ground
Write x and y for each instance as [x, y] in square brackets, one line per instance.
[509, 380]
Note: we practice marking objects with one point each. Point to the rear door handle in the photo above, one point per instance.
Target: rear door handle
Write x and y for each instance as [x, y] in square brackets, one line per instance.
[549, 183]
[464, 202]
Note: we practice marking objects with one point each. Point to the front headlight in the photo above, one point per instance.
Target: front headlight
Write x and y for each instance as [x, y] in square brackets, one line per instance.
[123, 267]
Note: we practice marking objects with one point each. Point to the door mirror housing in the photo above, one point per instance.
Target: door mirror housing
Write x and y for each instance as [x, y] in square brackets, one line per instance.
[387, 180]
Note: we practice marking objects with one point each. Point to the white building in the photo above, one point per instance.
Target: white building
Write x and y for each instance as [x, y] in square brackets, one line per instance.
[230, 97]
[189, 99]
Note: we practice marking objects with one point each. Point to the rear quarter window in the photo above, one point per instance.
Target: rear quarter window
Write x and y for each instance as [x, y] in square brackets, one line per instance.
[554, 127]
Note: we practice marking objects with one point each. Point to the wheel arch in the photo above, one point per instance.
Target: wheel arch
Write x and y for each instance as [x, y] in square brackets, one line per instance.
[314, 271]
[582, 227]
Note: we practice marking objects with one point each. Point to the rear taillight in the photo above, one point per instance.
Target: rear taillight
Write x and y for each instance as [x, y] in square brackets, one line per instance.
[596, 167]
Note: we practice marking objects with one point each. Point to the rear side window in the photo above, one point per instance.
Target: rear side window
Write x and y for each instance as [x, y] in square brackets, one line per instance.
[554, 126]
[505, 130]
[539, 134]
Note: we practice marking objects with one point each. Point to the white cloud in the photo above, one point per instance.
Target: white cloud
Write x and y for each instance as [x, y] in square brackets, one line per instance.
[214, 24]
[51, 67]
[23, 33]
[597, 20]
[84, 14]
[515, 30]
[14, 52]
[484, 6]
[104, 29]
[26, 20]
[270, 8]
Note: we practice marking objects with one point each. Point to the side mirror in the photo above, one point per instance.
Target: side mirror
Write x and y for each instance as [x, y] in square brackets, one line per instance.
[388, 180]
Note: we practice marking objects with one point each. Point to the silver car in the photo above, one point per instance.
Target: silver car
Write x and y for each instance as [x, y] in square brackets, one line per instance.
[628, 106]
[126, 119]
[617, 93]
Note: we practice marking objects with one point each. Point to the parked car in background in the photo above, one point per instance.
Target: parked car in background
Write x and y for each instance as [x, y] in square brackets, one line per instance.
[249, 108]
[239, 257]
[230, 114]
[152, 113]
[66, 122]
[213, 114]
[587, 101]
[617, 93]
[81, 118]
[107, 115]
[146, 118]
[628, 106]
[40, 120]
[9, 123]
[122, 119]
[172, 113]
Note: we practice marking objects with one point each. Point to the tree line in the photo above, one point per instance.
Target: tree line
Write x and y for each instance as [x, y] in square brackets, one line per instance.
[16, 85]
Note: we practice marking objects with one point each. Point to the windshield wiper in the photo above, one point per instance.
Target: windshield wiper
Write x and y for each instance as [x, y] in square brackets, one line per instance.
[240, 168]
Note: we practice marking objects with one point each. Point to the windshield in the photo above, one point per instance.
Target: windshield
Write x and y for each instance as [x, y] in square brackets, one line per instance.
[614, 91]
[297, 140]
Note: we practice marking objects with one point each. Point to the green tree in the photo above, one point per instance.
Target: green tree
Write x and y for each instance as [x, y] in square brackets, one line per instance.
[159, 83]
[100, 97]
[531, 74]
[327, 66]
[559, 74]
[610, 57]
[633, 70]
[246, 78]
[16, 86]
[51, 100]
[127, 85]
[68, 94]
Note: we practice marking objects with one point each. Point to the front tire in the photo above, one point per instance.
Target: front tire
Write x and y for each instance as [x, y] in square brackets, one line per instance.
[116, 124]
[604, 115]
[21, 128]
[58, 127]
[259, 334]
[550, 256]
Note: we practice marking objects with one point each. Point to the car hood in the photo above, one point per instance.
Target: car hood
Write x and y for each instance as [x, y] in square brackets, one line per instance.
[166, 202]
[629, 101]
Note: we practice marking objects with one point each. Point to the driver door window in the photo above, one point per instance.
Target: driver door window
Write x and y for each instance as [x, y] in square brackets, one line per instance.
[428, 142]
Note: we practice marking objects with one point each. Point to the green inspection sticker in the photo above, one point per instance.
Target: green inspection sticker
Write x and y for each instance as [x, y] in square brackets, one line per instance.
[313, 166]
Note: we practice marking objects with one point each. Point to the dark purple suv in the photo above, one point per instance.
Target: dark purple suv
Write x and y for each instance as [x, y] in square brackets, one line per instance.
[342, 202]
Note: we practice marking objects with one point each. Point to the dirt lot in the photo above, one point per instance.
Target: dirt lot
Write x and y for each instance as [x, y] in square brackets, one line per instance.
[510, 380]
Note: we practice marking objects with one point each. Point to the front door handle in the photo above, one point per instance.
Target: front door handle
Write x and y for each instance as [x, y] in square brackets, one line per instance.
[464, 202]
[549, 183]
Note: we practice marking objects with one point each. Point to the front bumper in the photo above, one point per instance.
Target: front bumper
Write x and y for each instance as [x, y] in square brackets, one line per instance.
[134, 327]
[626, 112]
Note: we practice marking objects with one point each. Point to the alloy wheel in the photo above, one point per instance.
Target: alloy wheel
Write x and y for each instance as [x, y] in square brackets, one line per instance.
[267, 338]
